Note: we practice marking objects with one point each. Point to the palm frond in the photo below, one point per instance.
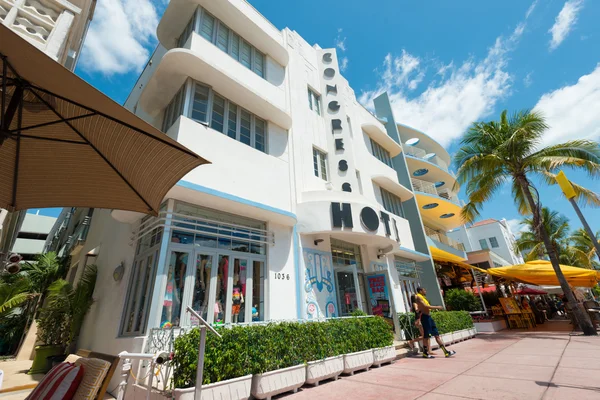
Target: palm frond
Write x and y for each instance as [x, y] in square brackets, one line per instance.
[580, 154]
[583, 196]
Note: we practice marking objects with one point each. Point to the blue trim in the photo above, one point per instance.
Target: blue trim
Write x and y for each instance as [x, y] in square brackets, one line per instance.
[227, 196]
[430, 163]
[298, 275]
[417, 253]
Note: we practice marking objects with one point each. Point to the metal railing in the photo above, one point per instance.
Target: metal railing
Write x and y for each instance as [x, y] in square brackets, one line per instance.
[443, 238]
[429, 188]
[422, 154]
[79, 236]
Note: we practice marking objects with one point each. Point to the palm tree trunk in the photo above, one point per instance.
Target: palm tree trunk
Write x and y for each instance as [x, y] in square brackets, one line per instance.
[580, 314]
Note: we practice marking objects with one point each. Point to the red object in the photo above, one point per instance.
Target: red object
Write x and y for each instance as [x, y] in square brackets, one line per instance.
[531, 291]
[59, 384]
[485, 289]
[347, 297]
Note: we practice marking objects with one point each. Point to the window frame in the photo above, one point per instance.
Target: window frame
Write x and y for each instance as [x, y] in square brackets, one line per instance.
[314, 101]
[492, 242]
[391, 203]
[380, 153]
[231, 36]
[320, 167]
[481, 244]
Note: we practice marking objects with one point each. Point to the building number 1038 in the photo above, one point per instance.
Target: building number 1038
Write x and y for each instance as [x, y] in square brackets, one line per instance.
[282, 277]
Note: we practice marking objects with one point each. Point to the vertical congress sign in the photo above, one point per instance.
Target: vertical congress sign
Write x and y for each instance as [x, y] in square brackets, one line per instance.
[339, 141]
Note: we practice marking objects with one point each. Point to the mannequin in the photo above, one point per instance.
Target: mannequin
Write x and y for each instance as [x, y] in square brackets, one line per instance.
[237, 299]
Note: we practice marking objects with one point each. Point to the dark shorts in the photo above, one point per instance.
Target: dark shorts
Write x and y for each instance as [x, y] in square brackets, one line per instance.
[429, 328]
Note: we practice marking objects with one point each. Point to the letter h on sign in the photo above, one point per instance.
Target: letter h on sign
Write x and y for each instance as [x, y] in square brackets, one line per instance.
[341, 215]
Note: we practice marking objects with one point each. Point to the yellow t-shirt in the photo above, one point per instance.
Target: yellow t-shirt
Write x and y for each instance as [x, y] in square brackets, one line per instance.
[423, 299]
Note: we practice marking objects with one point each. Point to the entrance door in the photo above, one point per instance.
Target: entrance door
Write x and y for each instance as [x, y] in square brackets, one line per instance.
[348, 289]
[203, 281]
[173, 304]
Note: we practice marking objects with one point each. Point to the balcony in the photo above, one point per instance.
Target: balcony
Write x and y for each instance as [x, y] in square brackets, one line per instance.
[430, 157]
[443, 238]
[429, 188]
[79, 236]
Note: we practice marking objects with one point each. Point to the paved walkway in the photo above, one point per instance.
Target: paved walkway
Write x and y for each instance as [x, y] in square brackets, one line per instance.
[548, 363]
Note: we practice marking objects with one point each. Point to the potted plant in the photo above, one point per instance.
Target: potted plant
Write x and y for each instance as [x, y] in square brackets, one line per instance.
[326, 358]
[61, 319]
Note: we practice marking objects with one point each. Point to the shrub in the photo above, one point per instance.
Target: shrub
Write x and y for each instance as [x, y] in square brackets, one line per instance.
[461, 300]
[446, 321]
[260, 348]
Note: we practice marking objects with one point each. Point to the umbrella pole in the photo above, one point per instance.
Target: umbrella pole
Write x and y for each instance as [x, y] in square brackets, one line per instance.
[479, 290]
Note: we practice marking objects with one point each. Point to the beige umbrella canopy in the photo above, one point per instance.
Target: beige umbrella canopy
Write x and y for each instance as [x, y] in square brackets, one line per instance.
[63, 143]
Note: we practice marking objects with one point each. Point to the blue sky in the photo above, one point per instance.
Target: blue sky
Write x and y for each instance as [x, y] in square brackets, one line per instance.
[444, 63]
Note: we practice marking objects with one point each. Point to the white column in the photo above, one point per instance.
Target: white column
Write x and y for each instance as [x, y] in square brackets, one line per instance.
[56, 42]
[12, 13]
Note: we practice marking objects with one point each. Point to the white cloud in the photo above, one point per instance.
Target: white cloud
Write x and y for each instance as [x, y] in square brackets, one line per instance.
[572, 111]
[340, 43]
[527, 81]
[120, 37]
[531, 8]
[463, 93]
[344, 64]
[515, 227]
[564, 23]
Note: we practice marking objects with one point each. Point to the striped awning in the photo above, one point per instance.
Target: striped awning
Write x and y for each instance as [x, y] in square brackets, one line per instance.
[63, 143]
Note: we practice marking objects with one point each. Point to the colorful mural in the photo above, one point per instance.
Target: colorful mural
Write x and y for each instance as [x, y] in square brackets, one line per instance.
[319, 285]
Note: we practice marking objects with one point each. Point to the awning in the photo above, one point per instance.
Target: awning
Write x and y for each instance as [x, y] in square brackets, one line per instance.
[540, 272]
[444, 256]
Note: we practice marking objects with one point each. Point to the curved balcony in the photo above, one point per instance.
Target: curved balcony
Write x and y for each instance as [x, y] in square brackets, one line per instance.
[427, 170]
[414, 137]
[377, 132]
[239, 15]
[393, 187]
[418, 152]
[439, 208]
[209, 65]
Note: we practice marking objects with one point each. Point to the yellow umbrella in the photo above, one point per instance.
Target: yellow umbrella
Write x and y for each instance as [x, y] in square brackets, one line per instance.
[540, 272]
[444, 256]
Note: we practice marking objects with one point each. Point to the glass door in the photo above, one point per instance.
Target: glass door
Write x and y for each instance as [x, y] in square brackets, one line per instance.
[173, 296]
[202, 278]
[348, 295]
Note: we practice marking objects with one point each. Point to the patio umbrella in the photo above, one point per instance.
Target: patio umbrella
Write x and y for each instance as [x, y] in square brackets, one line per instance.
[63, 143]
[540, 272]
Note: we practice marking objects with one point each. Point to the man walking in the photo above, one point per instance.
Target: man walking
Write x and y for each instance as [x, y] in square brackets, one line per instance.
[429, 328]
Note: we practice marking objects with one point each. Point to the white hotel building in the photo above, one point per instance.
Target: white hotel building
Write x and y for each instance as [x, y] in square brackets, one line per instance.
[307, 209]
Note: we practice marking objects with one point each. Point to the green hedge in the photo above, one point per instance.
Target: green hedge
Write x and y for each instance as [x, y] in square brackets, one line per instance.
[446, 321]
[260, 348]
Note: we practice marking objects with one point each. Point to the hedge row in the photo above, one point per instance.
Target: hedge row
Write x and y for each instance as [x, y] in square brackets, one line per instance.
[446, 321]
[260, 348]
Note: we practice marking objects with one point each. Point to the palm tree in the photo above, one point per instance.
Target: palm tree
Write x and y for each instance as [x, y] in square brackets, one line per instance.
[509, 150]
[584, 248]
[13, 294]
[558, 227]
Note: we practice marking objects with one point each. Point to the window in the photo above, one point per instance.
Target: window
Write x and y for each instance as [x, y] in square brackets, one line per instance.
[391, 203]
[320, 164]
[314, 101]
[381, 154]
[483, 244]
[494, 242]
[228, 41]
[187, 31]
[174, 109]
[220, 114]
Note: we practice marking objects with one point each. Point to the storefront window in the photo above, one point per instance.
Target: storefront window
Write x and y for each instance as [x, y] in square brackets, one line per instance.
[344, 253]
[202, 284]
[174, 289]
[258, 291]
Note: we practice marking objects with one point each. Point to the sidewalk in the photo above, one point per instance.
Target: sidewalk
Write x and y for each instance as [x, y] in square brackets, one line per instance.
[547, 363]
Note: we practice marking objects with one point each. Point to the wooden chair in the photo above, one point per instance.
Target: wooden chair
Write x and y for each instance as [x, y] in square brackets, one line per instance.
[114, 362]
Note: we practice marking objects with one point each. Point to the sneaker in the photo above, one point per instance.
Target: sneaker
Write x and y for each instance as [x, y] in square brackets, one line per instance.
[450, 353]
[427, 356]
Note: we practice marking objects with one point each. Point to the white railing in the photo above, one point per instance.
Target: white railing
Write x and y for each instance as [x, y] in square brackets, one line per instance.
[422, 154]
[443, 238]
[429, 188]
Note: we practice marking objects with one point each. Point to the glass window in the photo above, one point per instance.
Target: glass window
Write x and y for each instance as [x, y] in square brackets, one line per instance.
[245, 127]
[200, 106]
[223, 38]
[221, 291]
[391, 202]
[259, 134]
[186, 32]
[207, 26]
[171, 312]
[483, 244]
[344, 254]
[314, 101]
[202, 285]
[381, 154]
[320, 164]
[232, 121]
[258, 291]
[218, 113]
[246, 54]
[494, 242]
[235, 46]
[259, 63]
[174, 109]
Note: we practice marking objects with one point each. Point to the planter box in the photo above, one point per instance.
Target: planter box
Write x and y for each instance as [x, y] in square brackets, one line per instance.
[357, 361]
[472, 332]
[231, 389]
[271, 383]
[384, 355]
[317, 371]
